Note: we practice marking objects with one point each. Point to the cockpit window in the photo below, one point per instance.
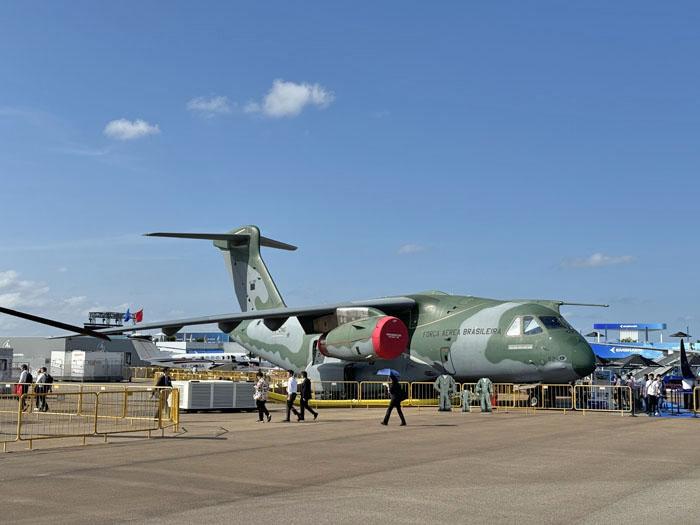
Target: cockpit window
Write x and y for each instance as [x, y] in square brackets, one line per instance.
[552, 323]
[524, 325]
[531, 326]
[516, 325]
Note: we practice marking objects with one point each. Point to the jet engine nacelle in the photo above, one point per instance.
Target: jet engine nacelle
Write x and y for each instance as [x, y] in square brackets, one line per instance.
[379, 337]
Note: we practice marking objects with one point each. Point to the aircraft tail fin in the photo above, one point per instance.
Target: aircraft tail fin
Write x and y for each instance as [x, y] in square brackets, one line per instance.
[252, 282]
[686, 371]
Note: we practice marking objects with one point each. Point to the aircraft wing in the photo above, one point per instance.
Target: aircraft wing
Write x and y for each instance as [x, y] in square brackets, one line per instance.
[229, 321]
[55, 324]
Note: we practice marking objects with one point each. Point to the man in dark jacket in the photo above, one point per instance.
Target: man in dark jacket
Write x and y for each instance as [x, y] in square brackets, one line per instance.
[163, 382]
[305, 397]
[396, 394]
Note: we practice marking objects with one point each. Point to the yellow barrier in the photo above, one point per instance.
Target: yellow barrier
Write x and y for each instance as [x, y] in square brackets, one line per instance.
[552, 397]
[505, 396]
[69, 411]
[143, 372]
[376, 393]
[603, 398]
[9, 418]
[181, 374]
[423, 394]
[334, 393]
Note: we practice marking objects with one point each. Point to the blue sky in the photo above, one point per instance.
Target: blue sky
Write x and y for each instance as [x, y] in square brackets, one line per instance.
[502, 149]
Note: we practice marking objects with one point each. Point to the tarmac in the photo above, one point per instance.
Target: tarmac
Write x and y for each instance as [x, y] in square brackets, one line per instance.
[541, 467]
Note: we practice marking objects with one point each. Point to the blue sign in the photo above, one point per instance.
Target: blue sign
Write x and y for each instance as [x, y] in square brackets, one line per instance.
[618, 351]
[629, 326]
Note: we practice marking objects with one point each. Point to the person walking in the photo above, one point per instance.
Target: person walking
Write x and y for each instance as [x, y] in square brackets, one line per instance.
[41, 388]
[260, 396]
[163, 382]
[396, 395]
[25, 379]
[305, 396]
[291, 396]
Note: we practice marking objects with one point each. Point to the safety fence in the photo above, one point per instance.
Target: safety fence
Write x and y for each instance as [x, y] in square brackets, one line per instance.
[504, 397]
[69, 410]
[144, 372]
[181, 374]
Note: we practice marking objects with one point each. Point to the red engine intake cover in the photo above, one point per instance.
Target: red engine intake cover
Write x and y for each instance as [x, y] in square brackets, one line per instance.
[390, 338]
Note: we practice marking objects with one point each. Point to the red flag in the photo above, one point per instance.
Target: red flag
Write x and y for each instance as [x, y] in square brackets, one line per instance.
[138, 316]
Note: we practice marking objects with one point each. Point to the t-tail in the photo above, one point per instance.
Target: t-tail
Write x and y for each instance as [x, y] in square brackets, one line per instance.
[252, 282]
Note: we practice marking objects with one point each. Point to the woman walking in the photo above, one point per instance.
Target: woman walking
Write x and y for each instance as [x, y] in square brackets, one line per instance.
[396, 394]
[260, 396]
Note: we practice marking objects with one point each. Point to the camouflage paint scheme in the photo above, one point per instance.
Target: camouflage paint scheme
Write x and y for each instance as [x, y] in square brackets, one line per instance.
[461, 335]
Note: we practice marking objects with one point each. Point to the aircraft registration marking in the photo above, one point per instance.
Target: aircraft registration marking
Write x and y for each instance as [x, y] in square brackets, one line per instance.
[520, 347]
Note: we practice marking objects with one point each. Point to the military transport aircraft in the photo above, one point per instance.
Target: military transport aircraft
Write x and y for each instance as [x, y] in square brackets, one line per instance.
[420, 335]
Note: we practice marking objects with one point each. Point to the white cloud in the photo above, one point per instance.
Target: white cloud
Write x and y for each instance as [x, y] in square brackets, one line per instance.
[35, 297]
[18, 293]
[123, 129]
[288, 99]
[410, 248]
[209, 106]
[597, 260]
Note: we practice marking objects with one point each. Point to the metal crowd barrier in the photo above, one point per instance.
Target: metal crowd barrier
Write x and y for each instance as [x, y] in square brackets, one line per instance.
[334, 393]
[181, 374]
[376, 393]
[504, 397]
[677, 401]
[603, 398]
[552, 397]
[143, 372]
[73, 411]
[423, 394]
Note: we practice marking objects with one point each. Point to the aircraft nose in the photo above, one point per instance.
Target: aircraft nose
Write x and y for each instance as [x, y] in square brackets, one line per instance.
[583, 358]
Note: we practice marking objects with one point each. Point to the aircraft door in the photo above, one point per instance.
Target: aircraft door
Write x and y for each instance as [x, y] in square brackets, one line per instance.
[446, 359]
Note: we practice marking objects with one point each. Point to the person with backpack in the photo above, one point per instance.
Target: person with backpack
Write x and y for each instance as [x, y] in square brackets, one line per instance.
[396, 395]
[41, 388]
[25, 379]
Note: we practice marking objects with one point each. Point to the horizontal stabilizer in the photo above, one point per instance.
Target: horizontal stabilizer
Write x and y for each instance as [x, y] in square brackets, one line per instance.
[235, 238]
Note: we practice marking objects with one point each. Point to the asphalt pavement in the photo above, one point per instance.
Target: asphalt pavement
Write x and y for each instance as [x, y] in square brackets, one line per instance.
[347, 468]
